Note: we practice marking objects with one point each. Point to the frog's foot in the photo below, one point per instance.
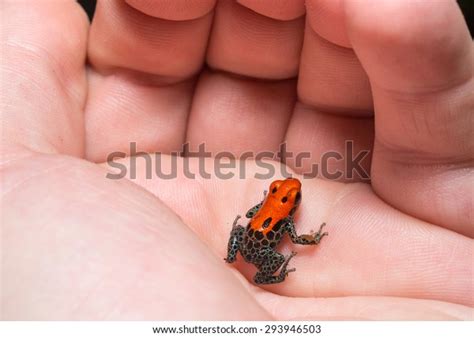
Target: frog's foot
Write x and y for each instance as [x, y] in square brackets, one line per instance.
[285, 264]
[289, 271]
[235, 240]
[283, 271]
[319, 234]
[234, 224]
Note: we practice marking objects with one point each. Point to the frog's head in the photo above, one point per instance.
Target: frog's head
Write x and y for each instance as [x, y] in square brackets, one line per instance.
[287, 192]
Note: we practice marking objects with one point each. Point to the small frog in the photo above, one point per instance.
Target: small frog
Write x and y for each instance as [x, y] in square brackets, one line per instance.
[269, 220]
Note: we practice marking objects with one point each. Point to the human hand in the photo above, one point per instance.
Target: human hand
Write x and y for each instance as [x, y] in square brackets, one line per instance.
[79, 246]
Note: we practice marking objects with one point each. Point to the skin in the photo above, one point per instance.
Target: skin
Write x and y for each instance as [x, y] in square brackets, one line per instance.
[76, 245]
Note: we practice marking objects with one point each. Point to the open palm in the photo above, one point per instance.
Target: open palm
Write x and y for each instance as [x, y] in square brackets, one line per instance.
[77, 245]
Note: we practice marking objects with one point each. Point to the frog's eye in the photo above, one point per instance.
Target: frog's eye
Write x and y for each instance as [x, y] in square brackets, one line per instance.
[274, 186]
[298, 198]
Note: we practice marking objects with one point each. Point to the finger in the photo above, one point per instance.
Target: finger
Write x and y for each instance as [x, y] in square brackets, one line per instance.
[141, 86]
[326, 18]
[421, 73]
[372, 249]
[331, 82]
[238, 114]
[331, 78]
[250, 44]
[122, 37]
[127, 257]
[329, 66]
[120, 111]
[43, 86]
[329, 146]
[361, 308]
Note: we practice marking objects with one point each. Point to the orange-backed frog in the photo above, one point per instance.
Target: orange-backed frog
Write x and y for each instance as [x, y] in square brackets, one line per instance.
[269, 220]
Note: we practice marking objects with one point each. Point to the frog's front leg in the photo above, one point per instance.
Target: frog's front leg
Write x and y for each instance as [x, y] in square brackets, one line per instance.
[304, 239]
[251, 212]
[235, 241]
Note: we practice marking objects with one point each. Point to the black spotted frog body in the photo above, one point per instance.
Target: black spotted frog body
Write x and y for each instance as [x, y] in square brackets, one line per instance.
[269, 221]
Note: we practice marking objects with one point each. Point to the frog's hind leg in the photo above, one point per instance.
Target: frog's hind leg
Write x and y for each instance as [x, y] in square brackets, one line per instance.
[272, 263]
[235, 240]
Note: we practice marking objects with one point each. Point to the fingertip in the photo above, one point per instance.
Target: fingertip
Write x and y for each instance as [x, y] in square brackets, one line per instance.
[409, 45]
[280, 9]
[123, 38]
[176, 10]
[327, 19]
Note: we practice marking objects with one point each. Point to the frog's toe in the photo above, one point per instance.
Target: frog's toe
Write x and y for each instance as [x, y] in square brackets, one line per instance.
[321, 227]
[320, 235]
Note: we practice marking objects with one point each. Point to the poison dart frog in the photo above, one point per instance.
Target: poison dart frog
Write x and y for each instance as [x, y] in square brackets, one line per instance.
[269, 220]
